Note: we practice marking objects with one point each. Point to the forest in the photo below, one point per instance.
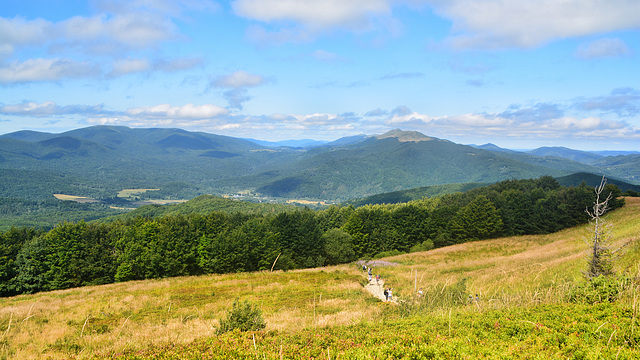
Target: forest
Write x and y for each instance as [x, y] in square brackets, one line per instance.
[75, 254]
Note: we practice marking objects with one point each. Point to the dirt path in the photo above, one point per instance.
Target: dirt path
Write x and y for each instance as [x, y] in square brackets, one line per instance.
[377, 289]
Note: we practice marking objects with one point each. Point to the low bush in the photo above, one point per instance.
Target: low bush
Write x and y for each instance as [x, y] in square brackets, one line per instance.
[244, 316]
[596, 290]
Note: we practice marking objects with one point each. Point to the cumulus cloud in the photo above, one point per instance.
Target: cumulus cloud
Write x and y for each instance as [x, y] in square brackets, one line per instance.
[496, 24]
[49, 108]
[540, 121]
[134, 30]
[536, 113]
[603, 48]
[296, 21]
[237, 85]
[188, 115]
[238, 79]
[314, 14]
[45, 70]
[128, 66]
[117, 29]
[485, 24]
[624, 102]
[188, 111]
[132, 66]
[21, 32]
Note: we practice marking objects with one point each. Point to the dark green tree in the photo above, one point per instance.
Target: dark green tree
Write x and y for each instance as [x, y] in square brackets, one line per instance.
[338, 246]
[11, 242]
[478, 220]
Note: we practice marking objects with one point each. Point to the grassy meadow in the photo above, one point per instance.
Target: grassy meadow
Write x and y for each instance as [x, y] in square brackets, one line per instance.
[522, 309]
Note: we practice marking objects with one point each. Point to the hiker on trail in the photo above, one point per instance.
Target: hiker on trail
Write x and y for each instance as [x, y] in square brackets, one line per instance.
[390, 294]
[370, 275]
[378, 279]
[364, 267]
[386, 294]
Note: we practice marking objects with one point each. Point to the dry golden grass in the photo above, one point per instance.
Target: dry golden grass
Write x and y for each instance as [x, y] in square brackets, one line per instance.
[134, 315]
[513, 270]
[78, 199]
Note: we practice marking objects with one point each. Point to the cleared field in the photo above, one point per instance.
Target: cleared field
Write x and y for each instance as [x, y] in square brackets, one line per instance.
[306, 202]
[78, 199]
[126, 193]
[158, 202]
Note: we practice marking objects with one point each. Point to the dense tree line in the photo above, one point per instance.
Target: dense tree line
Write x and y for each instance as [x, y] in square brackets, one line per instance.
[79, 254]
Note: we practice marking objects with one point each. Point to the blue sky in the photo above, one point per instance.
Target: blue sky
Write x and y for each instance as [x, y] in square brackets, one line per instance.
[519, 74]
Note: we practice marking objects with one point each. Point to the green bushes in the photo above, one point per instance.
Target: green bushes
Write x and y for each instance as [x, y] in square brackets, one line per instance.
[596, 290]
[244, 316]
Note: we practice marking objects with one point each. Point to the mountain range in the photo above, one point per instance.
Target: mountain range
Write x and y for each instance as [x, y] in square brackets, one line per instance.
[99, 161]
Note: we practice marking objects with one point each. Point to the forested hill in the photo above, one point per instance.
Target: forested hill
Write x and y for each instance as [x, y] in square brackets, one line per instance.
[79, 254]
[204, 204]
[100, 161]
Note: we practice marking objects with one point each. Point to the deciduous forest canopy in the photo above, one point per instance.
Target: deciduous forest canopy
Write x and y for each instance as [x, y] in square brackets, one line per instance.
[83, 253]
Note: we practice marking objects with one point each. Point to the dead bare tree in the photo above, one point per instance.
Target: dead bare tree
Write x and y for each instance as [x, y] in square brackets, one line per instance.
[600, 243]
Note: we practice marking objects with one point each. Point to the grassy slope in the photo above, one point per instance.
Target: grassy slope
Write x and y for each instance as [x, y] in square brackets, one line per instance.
[325, 313]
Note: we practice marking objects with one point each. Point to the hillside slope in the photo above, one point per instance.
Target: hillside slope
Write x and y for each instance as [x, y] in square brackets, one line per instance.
[106, 159]
[521, 282]
[391, 163]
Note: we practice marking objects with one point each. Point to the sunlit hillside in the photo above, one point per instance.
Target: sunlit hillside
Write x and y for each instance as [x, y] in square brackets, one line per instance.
[522, 308]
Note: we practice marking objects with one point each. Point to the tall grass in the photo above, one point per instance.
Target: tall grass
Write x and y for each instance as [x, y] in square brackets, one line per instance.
[511, 271]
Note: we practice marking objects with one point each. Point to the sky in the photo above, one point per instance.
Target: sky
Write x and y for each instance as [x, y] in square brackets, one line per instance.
[518, 74]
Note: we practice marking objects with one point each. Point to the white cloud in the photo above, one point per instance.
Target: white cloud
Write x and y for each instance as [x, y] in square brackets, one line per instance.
[20, 32]
[625, 102]
[188, 111]
[238, 79]
[298, 21]
[313, 14]
[128, 66]
[49, 108]
[45, 70]
[135, 30]
[526, 24]
[603, 48]
[237, 84]
[30, 109]
[119, 28]
[480, 24]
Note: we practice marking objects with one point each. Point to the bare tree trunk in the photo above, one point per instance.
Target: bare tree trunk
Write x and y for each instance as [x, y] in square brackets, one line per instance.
[600, 262]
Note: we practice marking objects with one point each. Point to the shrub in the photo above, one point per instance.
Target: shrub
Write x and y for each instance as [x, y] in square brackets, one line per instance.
[244, 316]
[423, 246]
[596, 290]
[388, 253]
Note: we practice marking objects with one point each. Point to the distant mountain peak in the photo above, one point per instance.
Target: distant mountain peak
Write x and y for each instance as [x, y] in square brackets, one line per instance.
[405, 136]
